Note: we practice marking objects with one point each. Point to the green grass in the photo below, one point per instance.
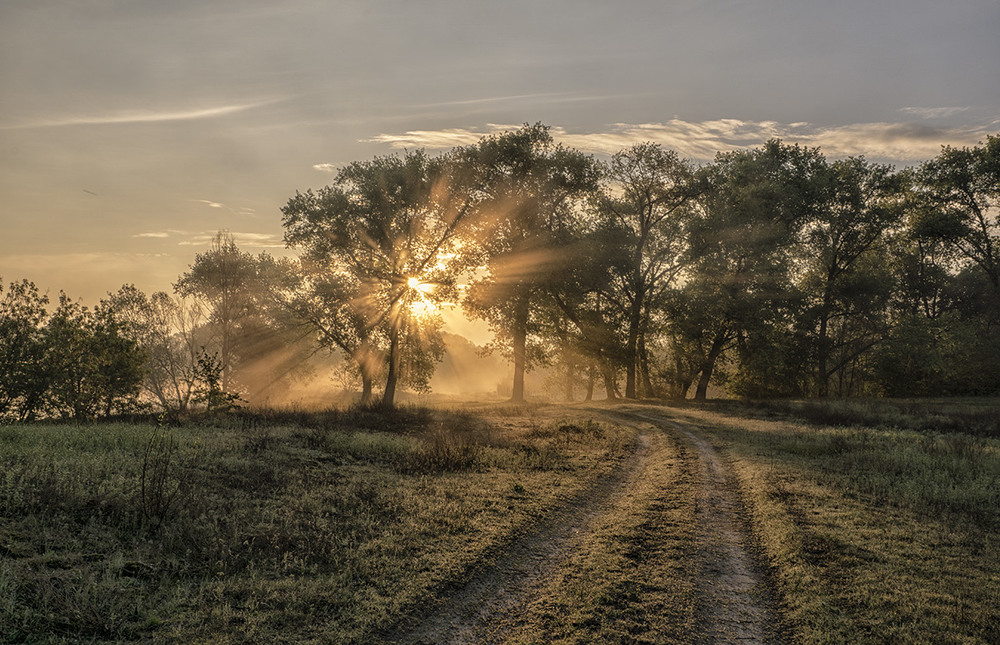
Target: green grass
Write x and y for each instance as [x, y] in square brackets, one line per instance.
[876, 533]
[274, 526]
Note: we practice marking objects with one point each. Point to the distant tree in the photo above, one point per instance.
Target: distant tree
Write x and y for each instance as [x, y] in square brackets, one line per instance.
[93, 368]
[224, 278]
[171, 332]
[375, 244]
[260, 349]
[23, 382]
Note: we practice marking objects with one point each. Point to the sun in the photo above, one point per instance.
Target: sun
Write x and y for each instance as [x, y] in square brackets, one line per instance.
[422, 287]
[420, 304]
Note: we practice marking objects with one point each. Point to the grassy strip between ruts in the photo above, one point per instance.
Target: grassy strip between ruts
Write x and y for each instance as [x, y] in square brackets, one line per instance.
[630, 577]
[875, 534]
[269, 530]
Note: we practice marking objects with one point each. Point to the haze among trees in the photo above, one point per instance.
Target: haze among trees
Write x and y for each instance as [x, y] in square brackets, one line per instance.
[770, 272]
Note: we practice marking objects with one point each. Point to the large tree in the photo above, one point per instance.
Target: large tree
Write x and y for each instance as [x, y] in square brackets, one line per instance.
[649, 192]
[526, 189]
[739, 280]
[861, 204]
[964, 185]
[376, 242]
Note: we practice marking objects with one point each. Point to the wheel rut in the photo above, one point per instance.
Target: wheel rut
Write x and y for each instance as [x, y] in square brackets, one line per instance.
[736, 602]
[493, 601]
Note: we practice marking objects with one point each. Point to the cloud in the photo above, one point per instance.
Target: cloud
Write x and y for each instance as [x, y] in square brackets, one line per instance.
[325, 167]
[141, 116]
[205, 238]
[256, 240]
[933, 113]
[433, 139]
[210, 203]
[702, 140]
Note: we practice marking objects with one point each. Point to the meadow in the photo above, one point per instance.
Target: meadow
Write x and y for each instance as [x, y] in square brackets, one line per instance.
[880, 520]
[287, 527]
[347, 526]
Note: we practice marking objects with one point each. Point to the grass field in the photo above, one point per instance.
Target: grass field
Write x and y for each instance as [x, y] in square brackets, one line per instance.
[877, 525]
[882, 531]
[265, 529]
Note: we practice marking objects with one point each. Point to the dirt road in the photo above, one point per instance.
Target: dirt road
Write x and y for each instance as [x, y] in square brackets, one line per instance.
[654, 551]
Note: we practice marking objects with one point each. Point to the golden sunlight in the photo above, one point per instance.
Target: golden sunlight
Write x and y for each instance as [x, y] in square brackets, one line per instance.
[421, 305]
[422, 287]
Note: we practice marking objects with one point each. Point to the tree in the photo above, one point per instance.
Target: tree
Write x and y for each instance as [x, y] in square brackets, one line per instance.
[861, 205]
[526, 189]
[23, 382]
[374, 244]
[171, 332]
[738, 277]
[964, 186]
[649, 192]
[93, 368]
[224, 277]
[260, 349]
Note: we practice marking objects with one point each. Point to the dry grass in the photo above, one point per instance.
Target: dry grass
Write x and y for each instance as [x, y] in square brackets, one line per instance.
[875, 534]
[630, 577]
[272, 528]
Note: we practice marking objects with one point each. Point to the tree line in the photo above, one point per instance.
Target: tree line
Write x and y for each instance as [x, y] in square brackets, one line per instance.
[771, 271]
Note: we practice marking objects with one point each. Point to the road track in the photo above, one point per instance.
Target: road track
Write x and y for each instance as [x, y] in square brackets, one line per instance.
[733, 600]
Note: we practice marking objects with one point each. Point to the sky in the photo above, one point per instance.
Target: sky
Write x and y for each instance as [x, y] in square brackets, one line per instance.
[131, 131]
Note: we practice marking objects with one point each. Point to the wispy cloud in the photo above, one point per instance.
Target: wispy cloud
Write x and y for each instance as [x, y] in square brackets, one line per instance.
[546, 97]
[140, 116]
[242, 211]
[205, 238]
[933, 113]
[433, 139]
[255, 240]
[325, 167]
[701, 140]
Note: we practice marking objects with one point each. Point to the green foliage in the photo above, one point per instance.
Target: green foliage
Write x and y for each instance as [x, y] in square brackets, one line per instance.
[209, 389]
[373, 247]
[23, 381]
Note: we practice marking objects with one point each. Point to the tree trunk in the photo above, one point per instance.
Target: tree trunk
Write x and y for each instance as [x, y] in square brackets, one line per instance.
[519, 345]
[389, 395]
[647, 381]
[610, 386]
[634, 320]
[569, 378]
[708, 366]
[591, 378]
[366, 388]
